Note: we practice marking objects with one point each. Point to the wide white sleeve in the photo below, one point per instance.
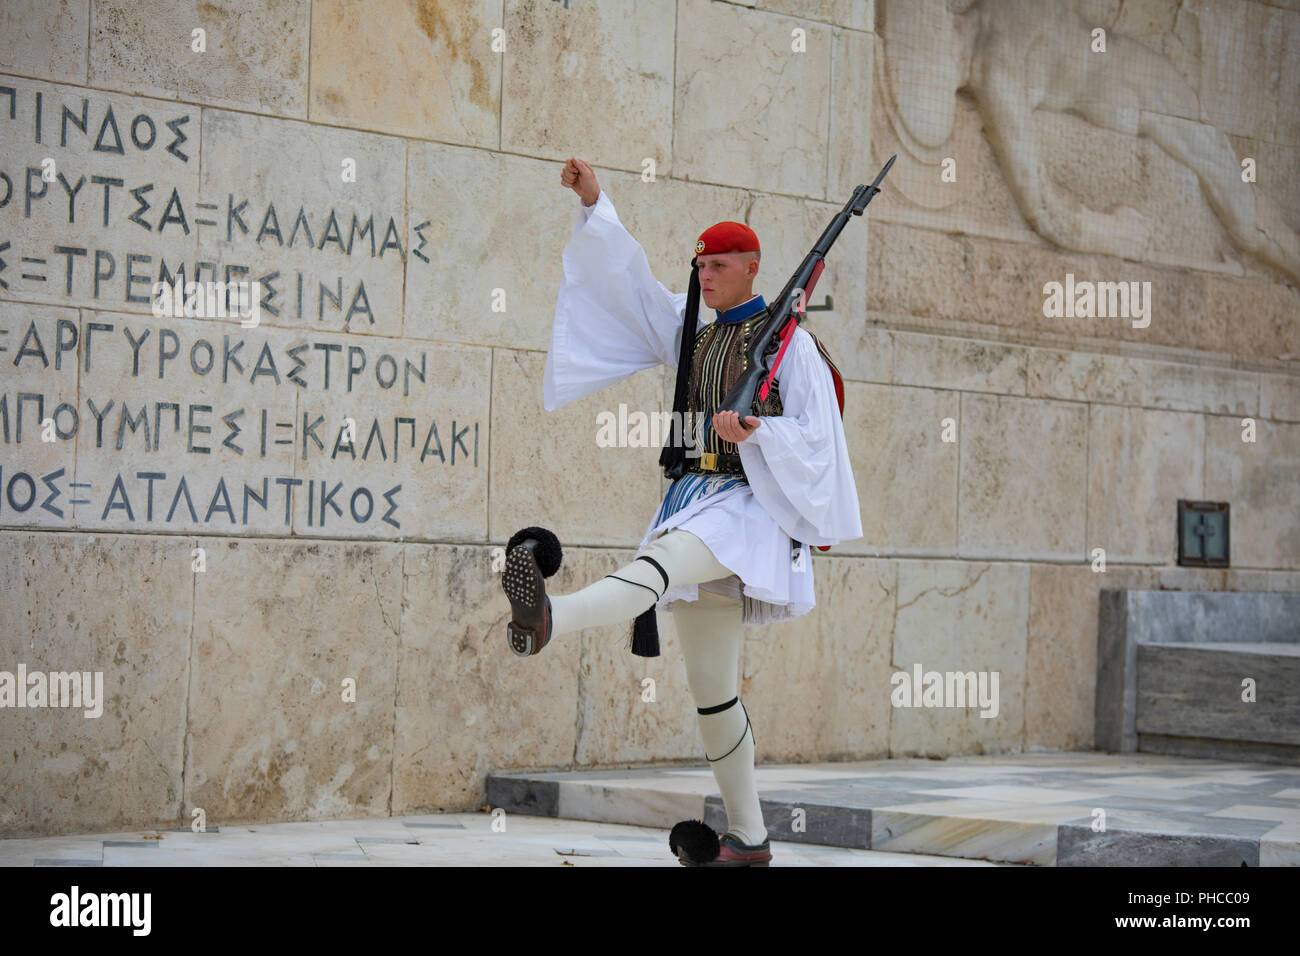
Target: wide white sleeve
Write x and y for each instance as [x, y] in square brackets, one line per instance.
[797, 463]
[612, 316]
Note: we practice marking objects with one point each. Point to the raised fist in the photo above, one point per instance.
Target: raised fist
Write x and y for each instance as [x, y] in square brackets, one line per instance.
[577, 175]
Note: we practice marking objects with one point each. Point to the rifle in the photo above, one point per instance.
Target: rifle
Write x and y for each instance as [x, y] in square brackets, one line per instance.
[756, 380]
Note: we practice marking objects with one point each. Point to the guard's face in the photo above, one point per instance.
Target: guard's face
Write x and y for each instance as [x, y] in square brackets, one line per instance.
[725, 277]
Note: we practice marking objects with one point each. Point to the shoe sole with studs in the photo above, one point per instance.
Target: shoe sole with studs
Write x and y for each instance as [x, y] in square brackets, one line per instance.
[525, 587]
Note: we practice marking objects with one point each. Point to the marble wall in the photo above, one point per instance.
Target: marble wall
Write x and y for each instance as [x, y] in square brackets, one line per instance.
[278, 544]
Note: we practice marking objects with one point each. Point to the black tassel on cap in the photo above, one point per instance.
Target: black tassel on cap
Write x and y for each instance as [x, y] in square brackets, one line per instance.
[673, 457]
[645, 629]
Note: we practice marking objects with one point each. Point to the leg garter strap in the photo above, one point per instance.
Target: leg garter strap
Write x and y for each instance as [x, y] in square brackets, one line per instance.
[717, 708]
[637, 583]
[658, 567]
[721, 707]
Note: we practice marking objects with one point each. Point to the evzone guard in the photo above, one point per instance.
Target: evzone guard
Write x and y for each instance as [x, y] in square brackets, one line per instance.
[730, 543]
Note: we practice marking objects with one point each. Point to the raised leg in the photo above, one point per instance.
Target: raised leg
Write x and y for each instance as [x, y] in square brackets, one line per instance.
[638, 585]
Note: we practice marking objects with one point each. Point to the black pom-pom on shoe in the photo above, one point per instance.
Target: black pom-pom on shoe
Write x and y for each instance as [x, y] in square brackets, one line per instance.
[547, 552]
[694, 842]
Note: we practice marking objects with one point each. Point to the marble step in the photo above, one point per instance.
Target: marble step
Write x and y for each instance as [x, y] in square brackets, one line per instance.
[1147, 823]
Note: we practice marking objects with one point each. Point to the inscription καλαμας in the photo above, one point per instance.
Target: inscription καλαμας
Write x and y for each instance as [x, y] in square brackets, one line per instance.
[122, 415]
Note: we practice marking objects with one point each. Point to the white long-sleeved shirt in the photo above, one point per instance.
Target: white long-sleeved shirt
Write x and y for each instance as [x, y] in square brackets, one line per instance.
[614, 318]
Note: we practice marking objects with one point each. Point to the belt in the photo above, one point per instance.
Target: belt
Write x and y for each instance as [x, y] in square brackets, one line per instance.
[715, 463]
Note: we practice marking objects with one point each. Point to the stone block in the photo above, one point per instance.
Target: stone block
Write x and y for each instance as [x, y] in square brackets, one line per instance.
[1246, 581]
[1162, 661]
[1286, 127]
[1082, 846]
[594, 495]
[1258, 479]
[255, 55]
[1277, 175]
[1284, 580]
[278, 628]
[1197, 691]
[964, 618]
[423, 70]
[1166, 617]
[855, 14]
[1102, 169]
[906, 475]
[1061, 656]
[45, 367]
[1279, 397]
[416, 469]
[454, 296]
[1239, 66]
[849, 149]
[522, 794]
[971, 365]
[1022, 487]
[1179, 578]
[821, 824]
[1257, 314]
[40, 38]
[465, 704]
[949, 280]
[330, 253]
[977, 201]
[717, 42]
[819, 685]
[1131, 380]
[596, 74]
[1140, 463]
[616, 723]
[120, 606]
[119, 212]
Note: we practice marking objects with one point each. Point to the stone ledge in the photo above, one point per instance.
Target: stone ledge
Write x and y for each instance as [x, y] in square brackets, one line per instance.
[1161, 661]
[1031, 809]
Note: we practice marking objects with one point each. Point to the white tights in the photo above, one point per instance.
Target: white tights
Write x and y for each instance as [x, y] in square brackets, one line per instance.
[709, 630]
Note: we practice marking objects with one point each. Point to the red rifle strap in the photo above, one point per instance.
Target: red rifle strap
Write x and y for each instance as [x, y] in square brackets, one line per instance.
[787, 333]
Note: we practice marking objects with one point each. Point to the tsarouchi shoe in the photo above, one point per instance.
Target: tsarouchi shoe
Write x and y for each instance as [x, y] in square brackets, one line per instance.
[695, 843]
[531, 552]
[731, 852]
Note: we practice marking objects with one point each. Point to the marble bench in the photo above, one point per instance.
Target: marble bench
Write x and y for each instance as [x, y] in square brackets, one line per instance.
[1174, 667]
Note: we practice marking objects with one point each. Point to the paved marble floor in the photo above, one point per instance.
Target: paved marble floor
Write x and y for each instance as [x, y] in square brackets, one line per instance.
[452, 839]
[1036, 809]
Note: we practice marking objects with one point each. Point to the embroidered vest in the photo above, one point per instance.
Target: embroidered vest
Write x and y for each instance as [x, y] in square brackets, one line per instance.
[716, 363]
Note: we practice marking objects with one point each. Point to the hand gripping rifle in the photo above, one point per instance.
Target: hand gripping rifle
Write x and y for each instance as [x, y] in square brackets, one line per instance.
[776, 332]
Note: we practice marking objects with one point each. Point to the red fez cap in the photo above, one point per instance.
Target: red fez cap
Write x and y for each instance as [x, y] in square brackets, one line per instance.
[727, 237]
